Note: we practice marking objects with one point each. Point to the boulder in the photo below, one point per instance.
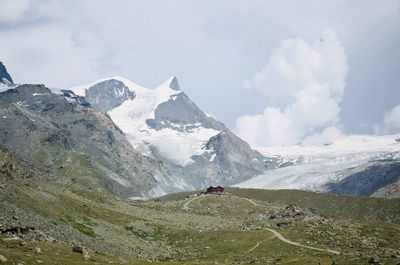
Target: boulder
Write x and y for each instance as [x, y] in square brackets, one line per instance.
[37, 250]
[80, 249]
[374, 260]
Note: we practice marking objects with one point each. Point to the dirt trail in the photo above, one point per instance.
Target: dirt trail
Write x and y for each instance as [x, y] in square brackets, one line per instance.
[276, 233]
[256, 246]
[186, 204]
[280, 237]
[251, 201]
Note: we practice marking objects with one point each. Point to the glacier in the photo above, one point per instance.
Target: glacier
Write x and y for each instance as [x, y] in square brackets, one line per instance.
[313, 167]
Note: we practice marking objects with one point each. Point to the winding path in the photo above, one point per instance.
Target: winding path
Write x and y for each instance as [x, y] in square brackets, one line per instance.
[274, 232]
[249, 200]
[280, 237]
[256, 246]
[186, 204]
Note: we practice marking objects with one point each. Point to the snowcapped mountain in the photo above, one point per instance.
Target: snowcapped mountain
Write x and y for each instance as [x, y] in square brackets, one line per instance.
[164, 124]
[357, 165]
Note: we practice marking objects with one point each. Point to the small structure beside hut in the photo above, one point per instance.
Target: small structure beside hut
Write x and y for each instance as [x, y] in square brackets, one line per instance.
[216, 190]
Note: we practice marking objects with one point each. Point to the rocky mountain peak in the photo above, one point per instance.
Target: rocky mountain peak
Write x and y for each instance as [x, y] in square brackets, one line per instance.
[5, 77]
[173, 84]
[229, 143]
[108, 94]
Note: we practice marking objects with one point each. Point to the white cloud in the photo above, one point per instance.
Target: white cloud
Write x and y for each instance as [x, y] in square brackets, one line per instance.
[304, 85]
[12, 11]
[391, 122]
[328, 135]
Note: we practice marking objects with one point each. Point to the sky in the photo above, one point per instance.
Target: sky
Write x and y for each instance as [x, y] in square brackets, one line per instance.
[276, 72]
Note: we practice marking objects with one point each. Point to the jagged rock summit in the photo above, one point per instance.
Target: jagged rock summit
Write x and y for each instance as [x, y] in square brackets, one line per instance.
[174, 83]
[5, 77]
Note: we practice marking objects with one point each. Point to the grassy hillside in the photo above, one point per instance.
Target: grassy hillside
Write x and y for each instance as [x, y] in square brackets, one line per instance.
[38, 209]
[327, 205]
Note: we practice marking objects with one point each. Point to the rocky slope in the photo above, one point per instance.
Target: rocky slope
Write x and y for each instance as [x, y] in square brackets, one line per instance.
[368, 179]
[78, 143]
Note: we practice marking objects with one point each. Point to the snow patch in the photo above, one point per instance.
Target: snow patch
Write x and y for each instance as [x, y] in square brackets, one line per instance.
[212, 157]
[40, 94]
[6, 81]
[5, 87]
[136, 198]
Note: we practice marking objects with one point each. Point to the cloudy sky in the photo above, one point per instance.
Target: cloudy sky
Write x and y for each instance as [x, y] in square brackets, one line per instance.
[276, 72]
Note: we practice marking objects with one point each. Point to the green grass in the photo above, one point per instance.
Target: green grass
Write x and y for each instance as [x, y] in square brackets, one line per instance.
[223, 206]
[91, 195]
[329, 205]
[175, 196]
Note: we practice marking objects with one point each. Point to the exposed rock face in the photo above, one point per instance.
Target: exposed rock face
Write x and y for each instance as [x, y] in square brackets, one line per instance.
[232, 147]
[389, 191]
[174, 84]
[227, 160]
[369, 179]
[108, 94]
[181, 114]
[79, 142]
[72, 98]
[5, 78]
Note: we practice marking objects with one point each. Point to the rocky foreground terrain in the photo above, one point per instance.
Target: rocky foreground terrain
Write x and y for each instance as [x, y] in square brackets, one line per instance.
[42, 222]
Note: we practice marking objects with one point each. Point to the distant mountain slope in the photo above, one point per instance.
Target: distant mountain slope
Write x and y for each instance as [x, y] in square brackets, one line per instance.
[368, 179]
[163, 123]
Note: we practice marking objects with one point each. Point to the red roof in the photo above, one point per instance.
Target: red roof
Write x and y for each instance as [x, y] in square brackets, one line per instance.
[215, 189]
